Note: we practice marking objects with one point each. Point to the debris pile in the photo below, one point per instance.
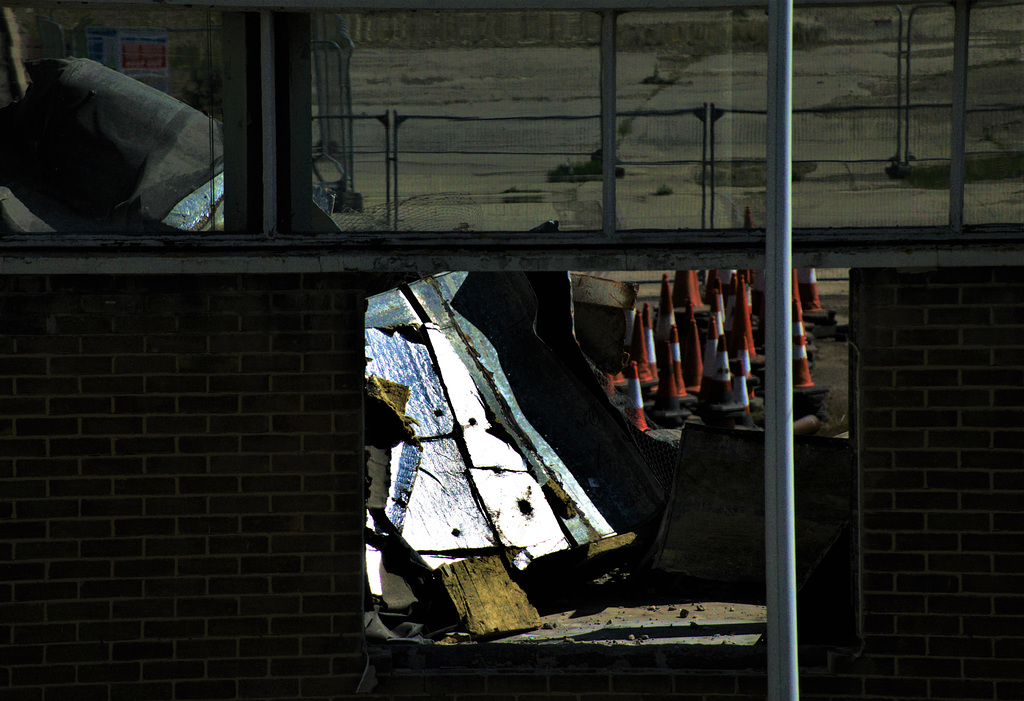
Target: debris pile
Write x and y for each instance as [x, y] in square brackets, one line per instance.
[512, 444]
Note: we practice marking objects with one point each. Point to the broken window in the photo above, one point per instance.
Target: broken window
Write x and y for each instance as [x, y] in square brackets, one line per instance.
[526, 487]
[110, 120]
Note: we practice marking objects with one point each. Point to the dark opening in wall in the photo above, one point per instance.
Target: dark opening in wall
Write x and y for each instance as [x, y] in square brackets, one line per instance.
[536, 514]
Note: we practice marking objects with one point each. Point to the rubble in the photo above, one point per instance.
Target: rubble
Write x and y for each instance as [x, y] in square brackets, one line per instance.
[500, 459]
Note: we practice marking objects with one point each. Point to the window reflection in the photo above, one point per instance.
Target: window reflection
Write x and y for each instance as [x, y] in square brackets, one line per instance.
[459, 121]
[111, 123]
[994, 165]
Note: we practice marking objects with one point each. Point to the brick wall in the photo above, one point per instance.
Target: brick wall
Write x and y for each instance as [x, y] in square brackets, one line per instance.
[179, 509]
[181, 503]
[942, 468]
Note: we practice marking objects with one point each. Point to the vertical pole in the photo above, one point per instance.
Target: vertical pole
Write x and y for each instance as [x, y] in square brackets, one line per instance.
[780, 550]
[385, 119]
[396, 121]
[608, 118]
[958, 120]
[704, 168]
[711, 139]
[268, 60]
[899, 86]
[906, 89]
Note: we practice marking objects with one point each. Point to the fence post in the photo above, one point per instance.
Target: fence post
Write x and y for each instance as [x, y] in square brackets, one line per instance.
[385, 119]
[701, 113]
[714, 114]
[396, 122]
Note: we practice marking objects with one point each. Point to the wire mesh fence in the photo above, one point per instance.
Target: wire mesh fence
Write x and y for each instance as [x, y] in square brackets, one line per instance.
[695, 168]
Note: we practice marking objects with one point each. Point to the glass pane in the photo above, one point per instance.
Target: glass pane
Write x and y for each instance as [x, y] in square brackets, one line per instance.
[871, 93]
[686, 83]
[458, 121]
[120, 128]
[994, 170]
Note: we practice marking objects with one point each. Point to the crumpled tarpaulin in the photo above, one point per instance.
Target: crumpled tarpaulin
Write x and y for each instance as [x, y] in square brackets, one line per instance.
[88, 148]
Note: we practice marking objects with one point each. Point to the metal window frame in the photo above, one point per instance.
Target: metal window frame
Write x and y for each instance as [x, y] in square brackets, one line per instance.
[264, 227]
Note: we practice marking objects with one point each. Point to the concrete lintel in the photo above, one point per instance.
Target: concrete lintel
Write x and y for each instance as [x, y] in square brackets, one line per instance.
[483, 5]
[426, 260]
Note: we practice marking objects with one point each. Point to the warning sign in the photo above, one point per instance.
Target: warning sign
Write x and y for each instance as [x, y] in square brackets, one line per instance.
[139, 52]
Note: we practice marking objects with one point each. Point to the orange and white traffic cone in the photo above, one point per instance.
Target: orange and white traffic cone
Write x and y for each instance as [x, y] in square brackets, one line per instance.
[634, 399]
[686, 287]
[666, 317]
[741, 397]
[717, 405]
[741, 340]
[667, 411]
[801, 366]
[727, 283]
[638, 354]
[675, 352]
[807, 286]
[693, 365]
[716, 383]
[709, 289]
[808, 400]
[645, 319]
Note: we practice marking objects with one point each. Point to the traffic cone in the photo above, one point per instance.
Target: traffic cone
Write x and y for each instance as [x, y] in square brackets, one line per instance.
[807, 287]
[693, 365]
[742, 336]
[801, 366]
[709, 289]
[638, 355]
[717, 406]
[716, 384]
[666, 411]
[742, 397]
[686, 287]
[808, 400]
[757, 308]
[645, 320]
[634, 400]
[718, 311]
[675, 352]
[666, 317]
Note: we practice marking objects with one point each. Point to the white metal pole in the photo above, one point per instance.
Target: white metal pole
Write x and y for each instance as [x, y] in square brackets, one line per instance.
[780, 550]
[608, 126]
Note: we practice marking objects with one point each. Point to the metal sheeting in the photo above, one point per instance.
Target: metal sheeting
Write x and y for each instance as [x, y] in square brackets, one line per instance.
[482, 360]
[401, 357]
[501, 309]
[443, 514]
[517, 506]
[500, 462]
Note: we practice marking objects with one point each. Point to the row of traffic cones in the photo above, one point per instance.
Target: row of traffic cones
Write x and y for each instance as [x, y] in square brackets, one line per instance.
[668, 369]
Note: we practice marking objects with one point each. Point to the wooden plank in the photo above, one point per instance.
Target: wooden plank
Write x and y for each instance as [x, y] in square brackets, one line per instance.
[488, 601]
